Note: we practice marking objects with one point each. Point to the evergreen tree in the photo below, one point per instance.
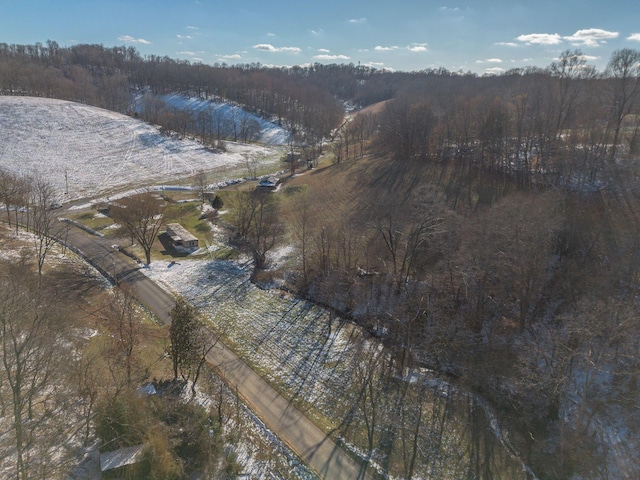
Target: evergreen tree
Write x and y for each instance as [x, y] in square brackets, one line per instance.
[183, 334]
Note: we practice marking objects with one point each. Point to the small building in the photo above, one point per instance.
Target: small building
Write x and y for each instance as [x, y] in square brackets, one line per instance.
[181, 238]
[269, 182]
[121, 457]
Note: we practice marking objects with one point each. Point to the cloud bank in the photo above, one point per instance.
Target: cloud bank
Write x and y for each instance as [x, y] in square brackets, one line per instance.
[267, 47]
[130, 39]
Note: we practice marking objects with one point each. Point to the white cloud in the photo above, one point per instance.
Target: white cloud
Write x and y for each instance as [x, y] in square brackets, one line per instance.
[186, 52]
[494, 70]
[507, 44]
[290, 49]
[130, 39]
[414, 47]
[324, 50]
[490, 60]
[380, 48]
[591, 37]
[455, 14]
[541, 39]
[234, 56]
[358, 20]
[267, 47]
[417, 47]
[317, 32]
[184, 36]
[378, 66]
[331, 57]
[634, 36]
[191, 27]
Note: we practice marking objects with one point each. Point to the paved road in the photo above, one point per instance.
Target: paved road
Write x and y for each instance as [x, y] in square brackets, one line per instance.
[287, 422]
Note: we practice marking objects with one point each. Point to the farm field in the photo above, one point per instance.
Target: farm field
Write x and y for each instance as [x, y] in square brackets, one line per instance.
[85, 151]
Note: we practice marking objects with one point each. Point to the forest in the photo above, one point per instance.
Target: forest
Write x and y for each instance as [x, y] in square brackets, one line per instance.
[485, 227]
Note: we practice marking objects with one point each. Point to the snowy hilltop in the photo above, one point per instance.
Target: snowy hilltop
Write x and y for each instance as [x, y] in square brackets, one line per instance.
[84, 151]
[229, 115]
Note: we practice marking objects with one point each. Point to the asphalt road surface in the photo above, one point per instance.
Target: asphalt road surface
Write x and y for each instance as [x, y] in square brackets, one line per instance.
[291, 426]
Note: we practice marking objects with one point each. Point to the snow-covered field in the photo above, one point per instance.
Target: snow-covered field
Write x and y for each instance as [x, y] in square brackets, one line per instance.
[89, 151]
[292, 339]
[269, 132]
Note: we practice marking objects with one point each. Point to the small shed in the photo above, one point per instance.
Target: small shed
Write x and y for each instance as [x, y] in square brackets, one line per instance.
[121, 457]
[269, 182]
[181, 238]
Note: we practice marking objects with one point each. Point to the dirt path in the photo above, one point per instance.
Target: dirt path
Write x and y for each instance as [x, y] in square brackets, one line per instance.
[318, 451]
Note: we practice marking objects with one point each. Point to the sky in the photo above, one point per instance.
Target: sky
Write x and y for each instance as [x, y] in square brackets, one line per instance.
[403, 35]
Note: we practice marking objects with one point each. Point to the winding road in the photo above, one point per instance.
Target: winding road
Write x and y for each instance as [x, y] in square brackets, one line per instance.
[289, 424]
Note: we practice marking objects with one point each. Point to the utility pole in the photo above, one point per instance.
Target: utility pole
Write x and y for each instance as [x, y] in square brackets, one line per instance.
[115, 273]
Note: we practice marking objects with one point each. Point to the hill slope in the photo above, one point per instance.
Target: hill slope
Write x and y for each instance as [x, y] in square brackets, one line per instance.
[90, 151]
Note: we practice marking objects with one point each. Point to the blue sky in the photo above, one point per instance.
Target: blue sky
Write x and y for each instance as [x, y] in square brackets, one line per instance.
[479, 36]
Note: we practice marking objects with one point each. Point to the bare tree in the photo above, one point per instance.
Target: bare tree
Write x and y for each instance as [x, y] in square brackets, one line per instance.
[255, 218]
[46, 226]
[7, 182]
[190, 341]
[141, 216]
[201, 182]
[124, 326]
[89, 381]
[570, 68]
[242, 209]
[15, 194]
[249, 127]
[292, 157]
[30, 329]
[623, 71]
[251, 164]
[300, 224]
[405, 231]
[266, 227]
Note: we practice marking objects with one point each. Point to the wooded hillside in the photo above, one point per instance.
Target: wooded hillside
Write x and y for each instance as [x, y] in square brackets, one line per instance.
[485, 227]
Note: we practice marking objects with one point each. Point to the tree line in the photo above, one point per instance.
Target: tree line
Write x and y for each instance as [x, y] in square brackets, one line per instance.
[528, 300]
[109, 78]
[559, 126]
[517, 120]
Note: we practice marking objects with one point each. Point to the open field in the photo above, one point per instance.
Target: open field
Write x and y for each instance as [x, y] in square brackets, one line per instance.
[85, 151]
